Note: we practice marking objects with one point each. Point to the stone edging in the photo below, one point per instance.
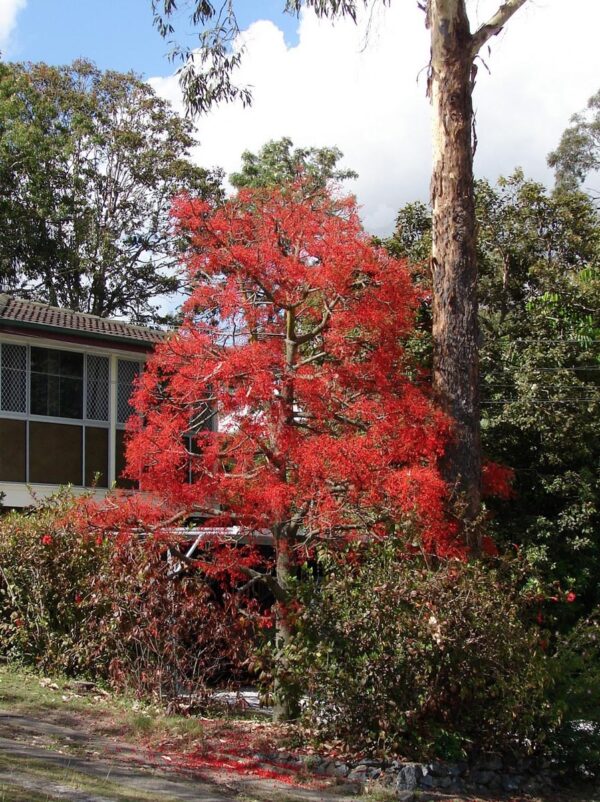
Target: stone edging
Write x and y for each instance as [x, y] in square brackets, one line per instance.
[488, 774]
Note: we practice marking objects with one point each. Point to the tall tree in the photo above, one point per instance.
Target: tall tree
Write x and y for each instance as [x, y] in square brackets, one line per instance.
[578, 152]
[454, 49]
[539, 292]
[295, 331]
[278, 163]
[89, 162]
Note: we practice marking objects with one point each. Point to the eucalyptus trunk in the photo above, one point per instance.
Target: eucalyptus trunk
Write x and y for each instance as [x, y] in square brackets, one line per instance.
[453, 255]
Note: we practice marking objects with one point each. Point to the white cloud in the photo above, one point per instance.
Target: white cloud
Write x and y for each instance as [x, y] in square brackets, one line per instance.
[332, 88]
[8, 17]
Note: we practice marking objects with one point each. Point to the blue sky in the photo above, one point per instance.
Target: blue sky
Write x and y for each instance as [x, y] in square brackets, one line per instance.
[116, 34]
[361, 88]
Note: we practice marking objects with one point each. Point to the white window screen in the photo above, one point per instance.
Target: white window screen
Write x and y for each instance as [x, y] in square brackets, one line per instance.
[97, 388]
[126, 374]
[13, 378]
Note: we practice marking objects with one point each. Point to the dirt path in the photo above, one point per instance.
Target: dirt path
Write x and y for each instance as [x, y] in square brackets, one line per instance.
[44, 760]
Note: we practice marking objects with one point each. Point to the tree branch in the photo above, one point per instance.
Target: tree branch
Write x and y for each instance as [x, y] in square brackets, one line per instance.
[495, 24]
[268, 579]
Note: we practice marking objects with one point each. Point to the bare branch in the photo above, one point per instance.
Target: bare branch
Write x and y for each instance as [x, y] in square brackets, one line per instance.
[267, 579]
[495, 24]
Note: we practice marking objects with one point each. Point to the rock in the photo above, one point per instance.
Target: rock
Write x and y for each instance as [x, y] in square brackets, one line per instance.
[406, 796]
[482, 777]
[409, 777]
[490, 763]
[511, 782]
[358, 773]
[442, 782]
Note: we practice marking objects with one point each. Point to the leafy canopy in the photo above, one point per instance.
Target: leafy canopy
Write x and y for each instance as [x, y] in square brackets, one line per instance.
[278, 163]
[209, 65]
[578, 152]
[89, 162]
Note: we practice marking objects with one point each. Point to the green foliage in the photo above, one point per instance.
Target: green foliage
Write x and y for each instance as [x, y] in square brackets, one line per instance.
[539, 292]
[46, 567]
[540, 364]
[89, 163]
[395, 656]
[578, 152]
[277, 164]
[575, 696]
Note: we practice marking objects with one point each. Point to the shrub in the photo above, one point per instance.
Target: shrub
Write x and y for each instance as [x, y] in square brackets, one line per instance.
[396, 656]
[46, 566]
[170, 630]
[575, 698]
[81, 597]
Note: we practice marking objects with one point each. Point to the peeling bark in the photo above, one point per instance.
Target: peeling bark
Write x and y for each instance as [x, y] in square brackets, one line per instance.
[453, 257]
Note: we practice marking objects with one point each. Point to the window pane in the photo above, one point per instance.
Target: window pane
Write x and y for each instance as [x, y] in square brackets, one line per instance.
[56, 383]
[39, 394]
[55, 453]
[12, 450]
[59, 363]
[71, 364]
[71, 398]
[39, 360]
[120, 462]
[13, 378]
[96, 456]
[97, 388]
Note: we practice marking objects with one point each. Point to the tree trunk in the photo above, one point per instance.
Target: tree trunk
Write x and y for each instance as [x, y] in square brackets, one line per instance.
[286, 704]
[453, 256]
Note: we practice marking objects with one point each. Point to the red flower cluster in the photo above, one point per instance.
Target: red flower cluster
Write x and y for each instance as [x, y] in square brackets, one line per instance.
[295, 335]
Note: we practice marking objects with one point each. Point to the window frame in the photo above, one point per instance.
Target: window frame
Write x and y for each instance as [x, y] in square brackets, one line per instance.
[111, 424]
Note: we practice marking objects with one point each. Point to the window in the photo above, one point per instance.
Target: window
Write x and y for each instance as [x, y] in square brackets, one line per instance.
[13, 447]
[97, 388]
[55, 453]
[56, 383]
[96, 456]
[55, 409]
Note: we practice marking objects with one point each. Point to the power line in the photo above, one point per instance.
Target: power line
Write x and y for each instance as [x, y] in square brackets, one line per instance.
[539, 402]
[532, 369]
[584, 342]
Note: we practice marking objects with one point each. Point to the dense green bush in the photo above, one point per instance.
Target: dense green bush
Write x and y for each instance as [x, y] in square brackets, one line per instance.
[397, 656]
[46, 570]
[79, 599]
[575, 697]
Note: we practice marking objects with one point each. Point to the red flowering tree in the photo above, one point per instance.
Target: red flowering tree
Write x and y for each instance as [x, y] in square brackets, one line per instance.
[294, 335]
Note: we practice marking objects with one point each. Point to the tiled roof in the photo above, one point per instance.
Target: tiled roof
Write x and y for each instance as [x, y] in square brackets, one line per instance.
[35, 314]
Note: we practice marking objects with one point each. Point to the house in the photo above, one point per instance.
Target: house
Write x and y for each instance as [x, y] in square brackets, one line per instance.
[65, 383]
